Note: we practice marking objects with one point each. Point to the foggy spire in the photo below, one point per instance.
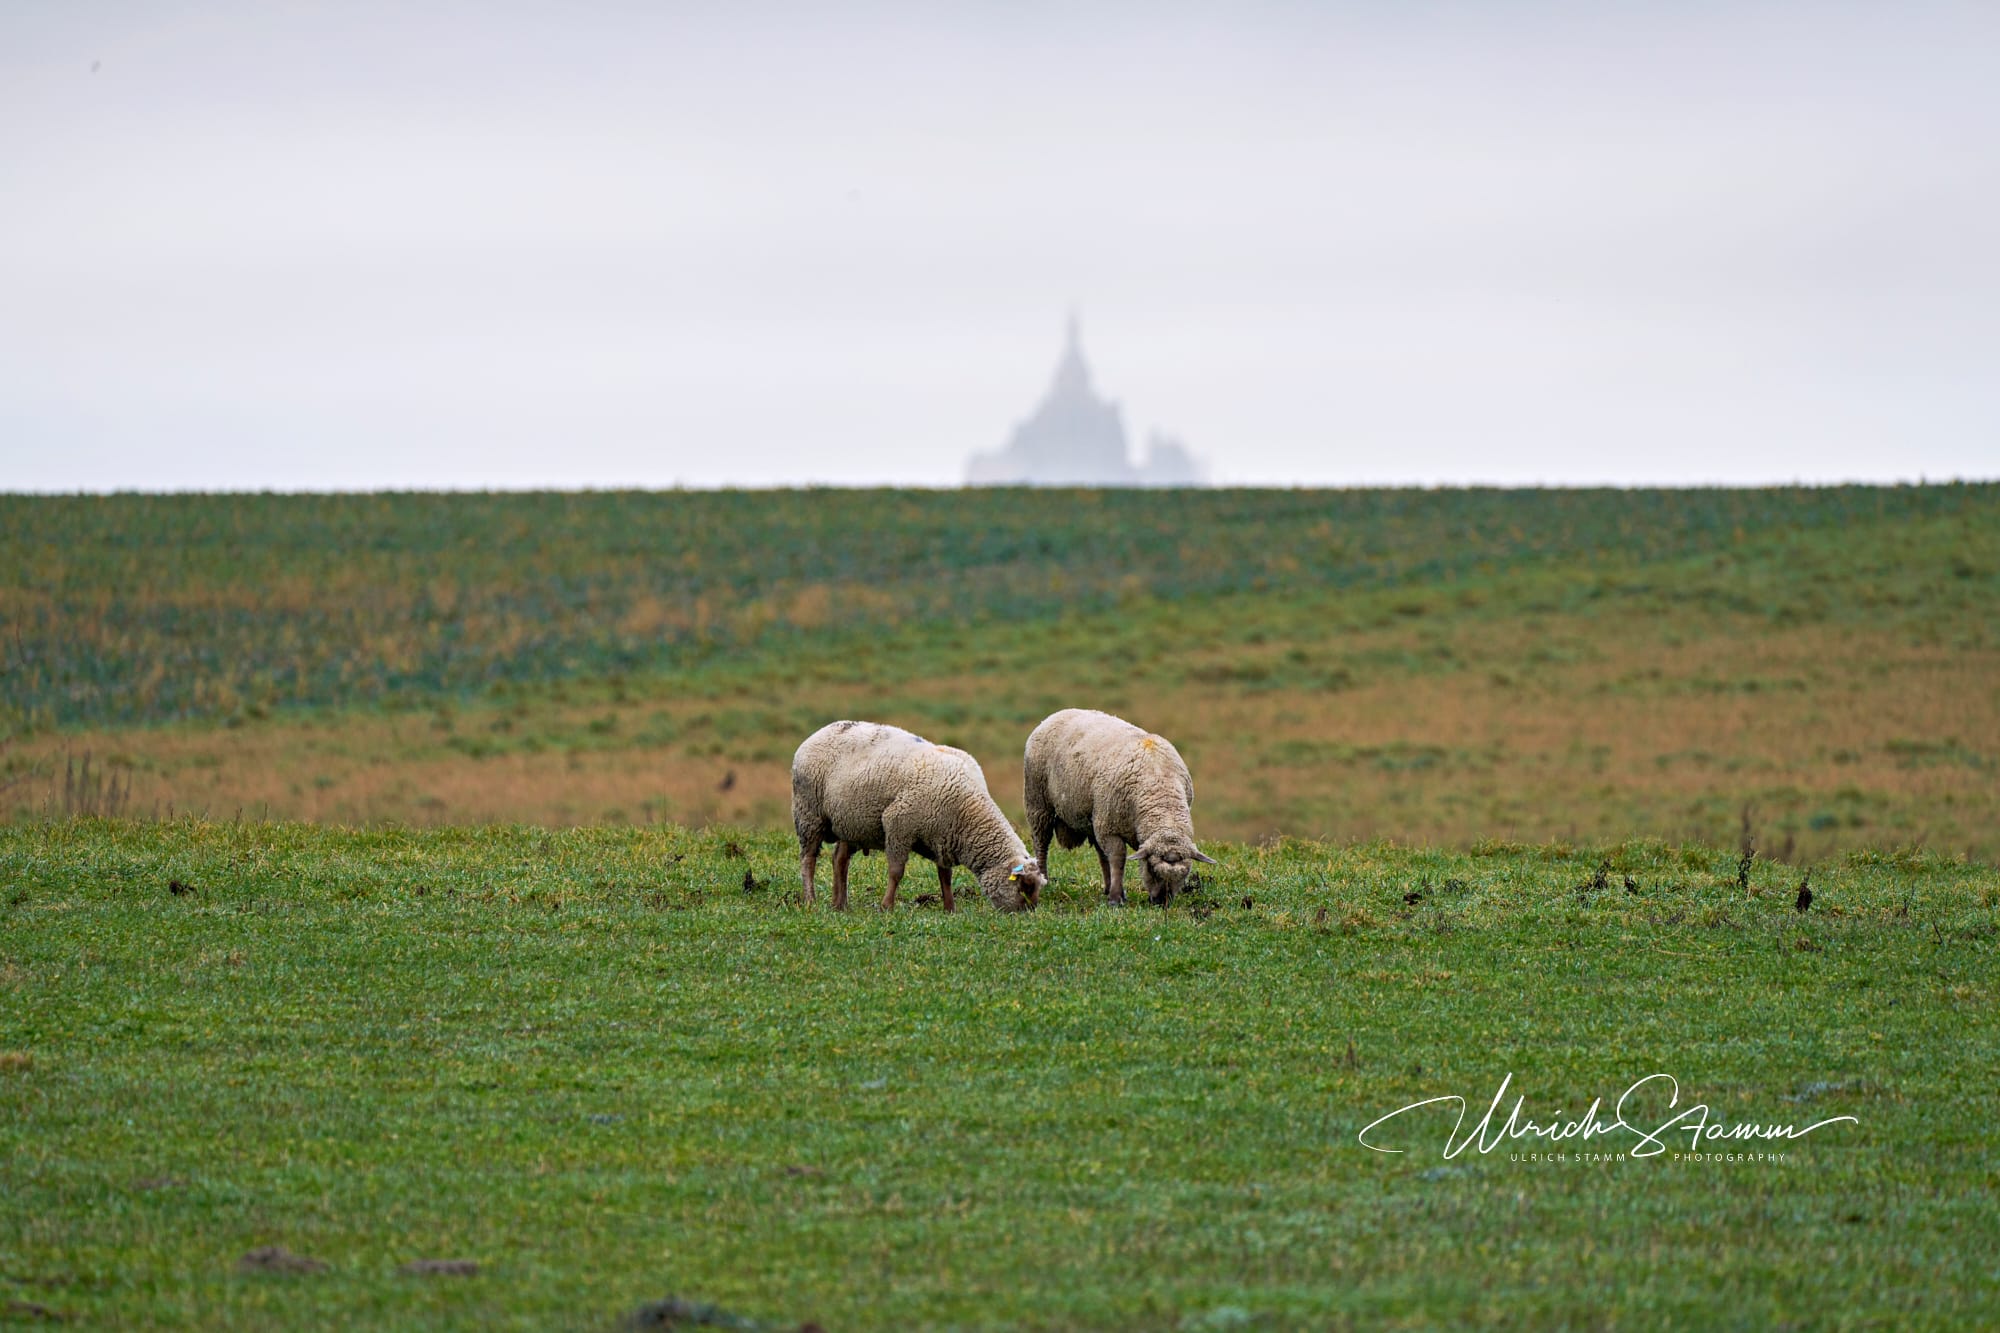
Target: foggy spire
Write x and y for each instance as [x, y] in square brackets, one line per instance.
[1073, 373]
[1076, 438]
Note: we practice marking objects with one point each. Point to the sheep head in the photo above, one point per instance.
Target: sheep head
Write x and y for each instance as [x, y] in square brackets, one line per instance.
[1015, 887]
[1165, 861]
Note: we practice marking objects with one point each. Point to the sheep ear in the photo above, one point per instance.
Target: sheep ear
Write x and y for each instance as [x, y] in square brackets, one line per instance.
[1205, 858]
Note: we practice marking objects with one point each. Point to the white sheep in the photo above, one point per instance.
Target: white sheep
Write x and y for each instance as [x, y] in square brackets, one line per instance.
[867, 787]
[1093, 777]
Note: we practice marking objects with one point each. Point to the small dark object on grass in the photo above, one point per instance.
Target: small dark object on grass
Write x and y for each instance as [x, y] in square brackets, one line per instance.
[728, 781]
[1413, 897]
[751, 883]
[1743, 865]
[1631, 885]
[926, 900]
[278, 1259]
[733, 851]
[30, 1310]
[1248, 902]
[1805, 892]
[440, 1268]
[1602, 879]
[177, 888]
[677, 1313]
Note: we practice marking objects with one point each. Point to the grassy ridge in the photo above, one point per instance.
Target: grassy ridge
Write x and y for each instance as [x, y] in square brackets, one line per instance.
[1835, 684]
[611, 1068]
[135, 609]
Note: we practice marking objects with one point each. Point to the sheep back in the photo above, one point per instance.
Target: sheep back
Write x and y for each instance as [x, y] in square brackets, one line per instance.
[848, 776]
[1096, 773]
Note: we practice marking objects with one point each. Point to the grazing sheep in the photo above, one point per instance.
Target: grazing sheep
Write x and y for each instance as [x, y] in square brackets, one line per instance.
[1093, 777]
[867, 787]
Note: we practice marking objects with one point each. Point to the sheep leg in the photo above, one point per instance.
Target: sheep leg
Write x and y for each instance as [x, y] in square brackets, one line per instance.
[1042, 828]
[899, 860]
[842, 854]
[944, 885]
[808, 864]
[1114, 874]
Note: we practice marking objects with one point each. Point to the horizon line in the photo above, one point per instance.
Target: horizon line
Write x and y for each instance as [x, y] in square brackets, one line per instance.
[678, 487]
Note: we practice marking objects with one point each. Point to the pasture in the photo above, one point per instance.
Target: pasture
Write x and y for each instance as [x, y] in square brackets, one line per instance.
[1818, 668]
[617, 1066]
[405, 878]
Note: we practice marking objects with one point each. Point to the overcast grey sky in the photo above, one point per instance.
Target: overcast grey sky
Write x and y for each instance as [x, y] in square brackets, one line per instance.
[358, 245]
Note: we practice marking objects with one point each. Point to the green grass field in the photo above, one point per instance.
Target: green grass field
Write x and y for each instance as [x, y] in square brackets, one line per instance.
[448, 911]
[615, 1066]
[1433, 667]
[138, 608]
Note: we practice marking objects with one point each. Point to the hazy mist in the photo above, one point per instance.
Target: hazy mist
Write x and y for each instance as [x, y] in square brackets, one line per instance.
[360, 245]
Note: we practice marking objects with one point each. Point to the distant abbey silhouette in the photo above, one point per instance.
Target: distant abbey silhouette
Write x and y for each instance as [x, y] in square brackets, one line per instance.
[1076, 438]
